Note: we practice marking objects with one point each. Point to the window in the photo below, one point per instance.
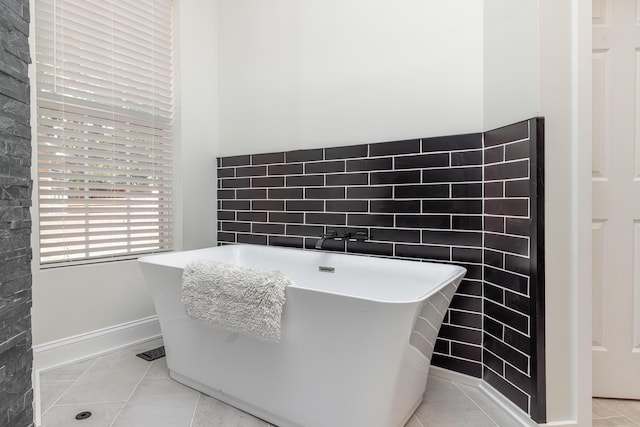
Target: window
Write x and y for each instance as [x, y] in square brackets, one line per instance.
[104, 114]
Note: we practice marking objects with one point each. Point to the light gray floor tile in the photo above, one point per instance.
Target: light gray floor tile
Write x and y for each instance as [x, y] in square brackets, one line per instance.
[614, 422]
[112, 378]
[628, 408]
[159, 402]
[488, 406]
[212, 412]
[67, 373]
[158, 369]
[50, 391]
[102, 415]
[600, 409]
[413, 422]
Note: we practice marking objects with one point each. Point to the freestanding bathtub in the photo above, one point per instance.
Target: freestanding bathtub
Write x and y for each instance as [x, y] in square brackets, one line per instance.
[357, 336]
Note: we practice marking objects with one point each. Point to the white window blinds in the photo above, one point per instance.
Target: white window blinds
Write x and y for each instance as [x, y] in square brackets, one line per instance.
[104, 102]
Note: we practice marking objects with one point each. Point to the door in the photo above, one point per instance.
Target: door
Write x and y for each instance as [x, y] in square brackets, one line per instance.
[616, 198]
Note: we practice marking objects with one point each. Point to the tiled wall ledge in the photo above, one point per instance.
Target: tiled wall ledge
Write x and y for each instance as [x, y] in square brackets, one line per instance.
[446, 199]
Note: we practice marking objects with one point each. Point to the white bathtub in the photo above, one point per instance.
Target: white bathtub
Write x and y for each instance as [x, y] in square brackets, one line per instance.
[355, 345]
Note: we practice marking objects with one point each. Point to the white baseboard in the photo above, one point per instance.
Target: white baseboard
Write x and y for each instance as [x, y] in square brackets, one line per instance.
[88, 345]
[506, 405]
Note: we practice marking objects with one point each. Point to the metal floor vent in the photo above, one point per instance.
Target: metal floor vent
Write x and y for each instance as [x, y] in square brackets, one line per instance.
[152, 354]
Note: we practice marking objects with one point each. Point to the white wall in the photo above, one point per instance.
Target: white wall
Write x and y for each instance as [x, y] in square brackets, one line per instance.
[68, 301]
[330, 72]
[511, 58]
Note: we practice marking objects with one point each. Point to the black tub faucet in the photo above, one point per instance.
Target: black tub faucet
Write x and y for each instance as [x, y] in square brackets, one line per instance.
[359, 236]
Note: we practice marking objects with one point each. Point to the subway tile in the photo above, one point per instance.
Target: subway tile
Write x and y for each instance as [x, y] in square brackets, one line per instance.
[303, 155]
[466, 351]
[226, 194]
[468, 303]
[235, 226]
[517, 188]
[304, 180]
[457, 333]
[512, 170]
[468, 367]
[251, 171]
[324, 167]
[251, 193]
[456, 238]
[452, 175]
[493, 327]
[459, 222]
[517, 302]
[464, 318]
[442, 346]
[236, 161]
[267, 228]
[506, 134]
[517, 339]
[395, 235]
[394, 147]
[371, 248]
[370, 192]
[492, 361]
[348, 179]
[506, 279]
[383, 163]
[494, 189]
[509, 391]
[324, 193]
[517, 264]
[421, 161]
[268, 181]
[517, 150]
[252, 239]
[519, 226]
[468, 191]
[510, 244]
[502, 314]
[236, 205]
[474, 271]
[266, 158]
[285, 193]
[227, 215]
[509, 207]
[494, 293]
[466, 158]
[305, 205]
[466, 255]
[326, 218]
[292, 242]
[286, 217]
[226, 172]
[423, 221]
[226, 237]
[441, 253]
[346, 152]
[517, 378]
[437, 191]
[453, 143]
[396, 206]
[304, 230]
[396, 177]
[347, 206]
[494, 155]
[470, 287]
[252, 216]
[506, 352]
[493, 258]
[236, 182]
[285, 169]
[457, 206]
[370, 220]
[267, 205]
[494, 224]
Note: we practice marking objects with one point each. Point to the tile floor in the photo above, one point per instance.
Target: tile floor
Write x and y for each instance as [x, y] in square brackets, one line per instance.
[615, 412]
[122, 390]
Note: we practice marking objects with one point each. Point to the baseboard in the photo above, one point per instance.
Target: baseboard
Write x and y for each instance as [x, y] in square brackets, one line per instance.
[88, 345]
[437, 371]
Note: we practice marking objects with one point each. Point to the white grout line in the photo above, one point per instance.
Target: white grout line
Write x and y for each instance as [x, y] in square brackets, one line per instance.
[195, 410]
[475, 403]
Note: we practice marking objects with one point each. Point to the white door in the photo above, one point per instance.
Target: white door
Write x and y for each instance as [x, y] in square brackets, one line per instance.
[616, 198]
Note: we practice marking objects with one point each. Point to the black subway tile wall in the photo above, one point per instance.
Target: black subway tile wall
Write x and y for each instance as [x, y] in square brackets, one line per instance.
[423, 200]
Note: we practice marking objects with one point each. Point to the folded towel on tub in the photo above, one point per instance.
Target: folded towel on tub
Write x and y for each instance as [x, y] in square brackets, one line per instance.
[239, 299]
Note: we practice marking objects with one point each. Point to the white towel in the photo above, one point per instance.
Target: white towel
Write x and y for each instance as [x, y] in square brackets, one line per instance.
[239, 299]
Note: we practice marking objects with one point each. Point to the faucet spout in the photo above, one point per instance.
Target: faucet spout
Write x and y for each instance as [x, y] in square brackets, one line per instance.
[330, 235]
